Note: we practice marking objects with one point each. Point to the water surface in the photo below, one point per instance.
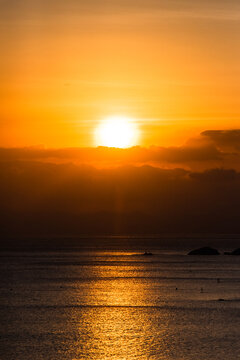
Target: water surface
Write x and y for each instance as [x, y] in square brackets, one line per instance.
[106, 304]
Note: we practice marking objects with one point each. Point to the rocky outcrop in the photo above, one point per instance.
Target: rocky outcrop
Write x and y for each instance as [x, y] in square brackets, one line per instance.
[204, 251]
[234, 252]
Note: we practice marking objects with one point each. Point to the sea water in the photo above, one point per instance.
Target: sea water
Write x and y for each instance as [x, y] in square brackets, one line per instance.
[106, 304]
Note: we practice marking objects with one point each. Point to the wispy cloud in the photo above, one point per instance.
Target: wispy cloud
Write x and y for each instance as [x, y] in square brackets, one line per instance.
[214, 9]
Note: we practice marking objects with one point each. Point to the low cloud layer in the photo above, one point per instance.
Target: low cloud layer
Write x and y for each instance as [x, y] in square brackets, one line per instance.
[213, 148]
[49, 193]
[227, 140]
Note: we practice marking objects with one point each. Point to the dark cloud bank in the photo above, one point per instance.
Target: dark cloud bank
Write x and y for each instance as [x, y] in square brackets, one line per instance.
[191, 189]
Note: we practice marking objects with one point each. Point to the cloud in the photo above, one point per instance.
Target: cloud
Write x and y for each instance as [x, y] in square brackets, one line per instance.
[216, 176]
[224, 139]
[114, 156]
[216, 9]
[185, 154]
[41, 199]
[66, 192]
[213, 148]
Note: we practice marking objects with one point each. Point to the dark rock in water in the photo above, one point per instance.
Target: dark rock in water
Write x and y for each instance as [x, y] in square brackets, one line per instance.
[234, 252]
[204, 251]
[147, 253]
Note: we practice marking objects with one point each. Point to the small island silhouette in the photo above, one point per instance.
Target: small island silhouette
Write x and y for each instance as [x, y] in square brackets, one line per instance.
[204, 251]
[234, 252]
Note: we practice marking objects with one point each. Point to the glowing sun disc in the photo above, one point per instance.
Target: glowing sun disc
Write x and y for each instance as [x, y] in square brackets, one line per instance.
[116, 131]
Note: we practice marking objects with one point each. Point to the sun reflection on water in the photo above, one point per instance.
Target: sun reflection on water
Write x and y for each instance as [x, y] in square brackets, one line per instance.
[115, 307]
[118, 322]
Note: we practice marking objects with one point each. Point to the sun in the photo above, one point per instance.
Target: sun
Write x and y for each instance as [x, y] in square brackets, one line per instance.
[117, 131]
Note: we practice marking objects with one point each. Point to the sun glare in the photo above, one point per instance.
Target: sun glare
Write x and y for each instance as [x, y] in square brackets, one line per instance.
[117, 131]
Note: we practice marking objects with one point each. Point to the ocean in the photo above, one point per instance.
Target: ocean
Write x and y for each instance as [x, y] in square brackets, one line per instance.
[106, 303]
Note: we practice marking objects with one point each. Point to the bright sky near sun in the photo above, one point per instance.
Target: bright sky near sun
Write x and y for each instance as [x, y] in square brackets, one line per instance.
[68, 66]
[117, 131]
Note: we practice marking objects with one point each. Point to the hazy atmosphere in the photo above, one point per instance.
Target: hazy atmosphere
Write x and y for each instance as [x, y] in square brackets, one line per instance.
[119, 179]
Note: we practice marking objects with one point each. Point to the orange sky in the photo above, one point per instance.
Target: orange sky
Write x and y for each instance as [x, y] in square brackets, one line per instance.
[65, 65]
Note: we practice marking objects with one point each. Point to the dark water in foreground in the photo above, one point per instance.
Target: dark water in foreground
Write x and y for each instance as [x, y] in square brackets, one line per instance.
[115, 305]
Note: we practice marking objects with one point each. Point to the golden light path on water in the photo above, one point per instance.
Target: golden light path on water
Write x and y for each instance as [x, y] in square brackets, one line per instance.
[118, 323]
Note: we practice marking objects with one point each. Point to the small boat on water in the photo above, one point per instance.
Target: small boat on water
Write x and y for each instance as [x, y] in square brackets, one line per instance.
[147, 253]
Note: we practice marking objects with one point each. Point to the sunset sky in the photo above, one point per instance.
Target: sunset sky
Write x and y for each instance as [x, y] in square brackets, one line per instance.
[119, 116]
[119, 157]
[170, 65]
